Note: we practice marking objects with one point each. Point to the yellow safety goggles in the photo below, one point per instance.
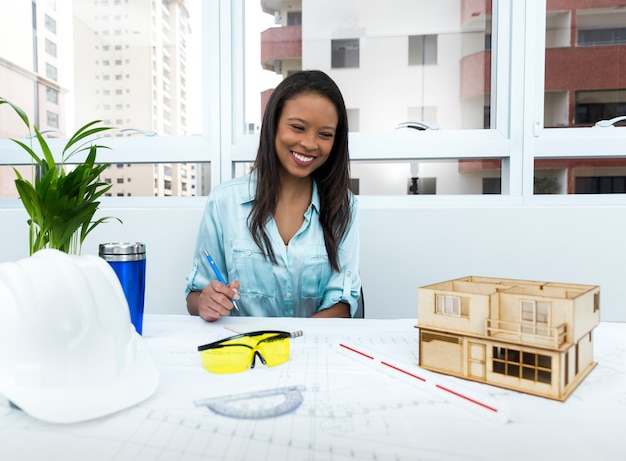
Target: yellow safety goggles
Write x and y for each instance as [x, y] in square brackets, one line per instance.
[238, 353]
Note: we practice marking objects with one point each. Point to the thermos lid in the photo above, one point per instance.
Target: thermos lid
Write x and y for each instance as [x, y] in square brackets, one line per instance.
[129, 251]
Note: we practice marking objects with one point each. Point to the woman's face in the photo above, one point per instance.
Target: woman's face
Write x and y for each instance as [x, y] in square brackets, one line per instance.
[305, 133]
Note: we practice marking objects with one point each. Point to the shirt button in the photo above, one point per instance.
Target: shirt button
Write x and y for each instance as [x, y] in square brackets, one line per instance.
[349, 273]
[249, 253]
[288, 296]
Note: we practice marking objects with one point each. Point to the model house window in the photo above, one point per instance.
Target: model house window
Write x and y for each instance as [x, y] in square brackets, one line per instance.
[535, 316]
[448, 305]
[522, 364]
[422, 50]
[345, 53]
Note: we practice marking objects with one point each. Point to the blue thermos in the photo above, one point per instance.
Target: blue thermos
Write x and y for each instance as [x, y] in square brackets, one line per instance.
[128, 260]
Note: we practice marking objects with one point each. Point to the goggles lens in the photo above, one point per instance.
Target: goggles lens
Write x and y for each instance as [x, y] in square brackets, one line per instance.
[237, 353]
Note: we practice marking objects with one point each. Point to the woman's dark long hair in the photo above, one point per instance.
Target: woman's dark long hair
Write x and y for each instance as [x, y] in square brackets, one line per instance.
[332, 178]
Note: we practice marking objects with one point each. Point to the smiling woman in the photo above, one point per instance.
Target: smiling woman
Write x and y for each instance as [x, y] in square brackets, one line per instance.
[306, 131]
[290, 245]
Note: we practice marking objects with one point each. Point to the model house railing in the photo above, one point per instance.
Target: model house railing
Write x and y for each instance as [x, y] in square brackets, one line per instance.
[527, 333]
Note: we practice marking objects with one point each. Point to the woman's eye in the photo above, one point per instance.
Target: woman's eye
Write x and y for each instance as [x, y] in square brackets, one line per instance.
[326, 135]
[297, 127]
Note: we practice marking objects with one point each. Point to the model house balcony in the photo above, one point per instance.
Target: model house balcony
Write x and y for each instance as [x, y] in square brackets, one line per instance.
[279, 44]
[526, 333]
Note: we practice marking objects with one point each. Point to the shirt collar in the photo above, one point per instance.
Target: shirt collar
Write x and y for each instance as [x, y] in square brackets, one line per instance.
[248, 192]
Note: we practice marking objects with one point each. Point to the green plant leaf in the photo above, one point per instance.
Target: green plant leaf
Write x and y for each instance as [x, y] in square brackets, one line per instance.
[82, 133]
[30, 151]
[61, 200]
[50, 162]
[19, 111]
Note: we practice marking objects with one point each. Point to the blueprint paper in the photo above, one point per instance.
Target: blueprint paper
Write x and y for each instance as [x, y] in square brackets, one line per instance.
[350, 410]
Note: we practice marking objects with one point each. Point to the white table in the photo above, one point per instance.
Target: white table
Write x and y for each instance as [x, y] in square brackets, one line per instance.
[353, 407]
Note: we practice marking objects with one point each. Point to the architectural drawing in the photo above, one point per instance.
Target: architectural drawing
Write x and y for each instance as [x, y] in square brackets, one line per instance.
[352, 409]
[529, 336]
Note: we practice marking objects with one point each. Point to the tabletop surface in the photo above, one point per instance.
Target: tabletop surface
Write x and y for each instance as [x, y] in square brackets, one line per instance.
[350, 391]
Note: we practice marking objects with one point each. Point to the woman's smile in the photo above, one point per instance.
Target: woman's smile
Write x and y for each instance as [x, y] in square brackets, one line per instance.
[302, 159]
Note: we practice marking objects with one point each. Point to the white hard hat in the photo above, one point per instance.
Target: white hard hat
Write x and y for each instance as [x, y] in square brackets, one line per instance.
[68, 350]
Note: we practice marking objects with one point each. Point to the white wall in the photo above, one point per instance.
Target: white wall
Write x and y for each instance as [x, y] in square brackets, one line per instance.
[405, 247]
[406, 242]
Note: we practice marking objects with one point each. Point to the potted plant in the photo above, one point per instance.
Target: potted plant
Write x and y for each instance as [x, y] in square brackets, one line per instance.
[61, 201]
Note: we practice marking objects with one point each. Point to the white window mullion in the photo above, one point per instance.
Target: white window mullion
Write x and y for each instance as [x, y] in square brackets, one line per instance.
[226, 28]
[501, 101]
[534, 87]
[236, 104]
[518, 97]
[223, 30]
[212, 84]
[500, 66]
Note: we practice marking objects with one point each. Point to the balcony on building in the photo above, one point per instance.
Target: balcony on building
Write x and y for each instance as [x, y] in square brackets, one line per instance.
[279, 44]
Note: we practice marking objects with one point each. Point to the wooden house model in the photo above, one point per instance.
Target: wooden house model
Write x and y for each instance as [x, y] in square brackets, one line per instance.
[528, 336]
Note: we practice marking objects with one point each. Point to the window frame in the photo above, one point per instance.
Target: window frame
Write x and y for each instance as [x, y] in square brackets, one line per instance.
[517, 135]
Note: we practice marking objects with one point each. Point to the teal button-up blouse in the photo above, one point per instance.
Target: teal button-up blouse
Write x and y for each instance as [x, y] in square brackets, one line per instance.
[300, 284]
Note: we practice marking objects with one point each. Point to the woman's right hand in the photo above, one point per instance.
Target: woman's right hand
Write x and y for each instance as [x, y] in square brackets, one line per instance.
[214, 301]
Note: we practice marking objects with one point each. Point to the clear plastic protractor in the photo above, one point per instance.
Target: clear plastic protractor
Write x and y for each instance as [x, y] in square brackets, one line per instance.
[256, 405]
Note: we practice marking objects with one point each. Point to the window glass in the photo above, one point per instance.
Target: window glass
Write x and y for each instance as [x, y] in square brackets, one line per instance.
[424, 177]
[344, 53]
[422, 50]
[591, 175]
[429, 177]
[136, 66]
[160, 179]
[581, 36]
[594, 105]
[394, 61]
[398, 64]
[51, 24]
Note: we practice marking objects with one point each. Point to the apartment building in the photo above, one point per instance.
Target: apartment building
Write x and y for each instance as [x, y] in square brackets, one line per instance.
[136, 81]
[31, 60]
[123, 62]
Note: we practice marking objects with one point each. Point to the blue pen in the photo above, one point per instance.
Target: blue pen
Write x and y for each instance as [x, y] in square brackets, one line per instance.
[218, 274]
